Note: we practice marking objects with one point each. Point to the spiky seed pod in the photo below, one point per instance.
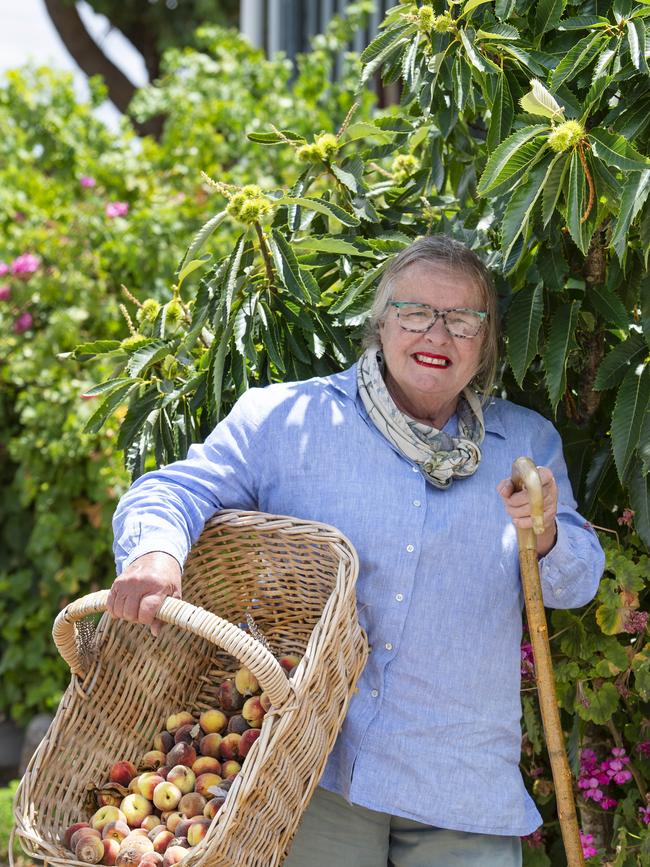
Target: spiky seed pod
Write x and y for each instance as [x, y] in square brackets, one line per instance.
[566, 136]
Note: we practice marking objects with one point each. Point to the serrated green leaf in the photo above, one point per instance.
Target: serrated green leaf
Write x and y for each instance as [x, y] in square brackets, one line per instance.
[556, 350]
[346, 178]
[470, 5]
[200, 238]
[394, 44]
[321, 207]
[384, 40]
[521, 204]
[106, 387]
[615, 150]
[553, 187]
[136, 416]
[287, 266]
[332, 245]
[577, 58]
[576, 200]
[504, 8]
[636, 40]
[192, 265]
[109, 405]
[155, 351]
[631, 405]
[540, 101]
[472, 54]
[498, 32]
[271, 337]
[528, 60]
[357, 287]
[581, 22]
[279, 137]
[511, 156]
[502, 112]
[640, 502]
[609, 305]
[524, 321]
[86, 351]
[635, 192]
[548, 14]
[617, 362]
[232, 272]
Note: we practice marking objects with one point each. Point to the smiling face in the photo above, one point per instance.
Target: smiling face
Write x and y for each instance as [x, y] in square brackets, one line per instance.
[425, 372]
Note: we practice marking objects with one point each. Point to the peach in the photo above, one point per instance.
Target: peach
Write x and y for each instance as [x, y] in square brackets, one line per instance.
[265, 701]
[248, 738]
[206, 765]
[162, 771]
[104, 815]
[156, 829]
[88, 832]
[111, 849]
[166, 796]
[289, 661]
[182, 777]
[152, 760]
[110, 794]
[197, 831]
[123, 773]
[89, 849]
[230, 768]
[253, 712]
[135, 808]
[162, 840]
[230, 698]
[150, 822]
[213, 720]
[229, 747]
[214, 805]
[147, 783]
[181, 754]
[225, 785]
[132, 851]
[173, 854]
[163, 741]
[246, 682]
[176, 720]
[190, 805]
[134, 785]
[209, 745]
[137, 832]
[116, 831]
[187, 733]
[203, 783]
[67, 834]
[237, 724]
[172, 820]
[182, 828]
[151, 859]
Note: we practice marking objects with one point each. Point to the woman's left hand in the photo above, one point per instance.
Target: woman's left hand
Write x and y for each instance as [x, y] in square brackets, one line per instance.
[517, 504]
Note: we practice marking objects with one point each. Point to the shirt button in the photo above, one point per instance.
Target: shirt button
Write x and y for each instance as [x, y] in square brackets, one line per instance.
[417, 504]
[399, 597]
[388, 645]
[410, 549]
[374, 693]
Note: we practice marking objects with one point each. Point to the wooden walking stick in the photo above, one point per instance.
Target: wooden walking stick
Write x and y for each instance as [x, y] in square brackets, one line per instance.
[525, 475]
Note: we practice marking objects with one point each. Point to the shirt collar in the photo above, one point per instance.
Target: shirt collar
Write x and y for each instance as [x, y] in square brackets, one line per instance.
[346, 383]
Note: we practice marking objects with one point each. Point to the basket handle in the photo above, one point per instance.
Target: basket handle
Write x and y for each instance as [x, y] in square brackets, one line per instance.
[205, 624]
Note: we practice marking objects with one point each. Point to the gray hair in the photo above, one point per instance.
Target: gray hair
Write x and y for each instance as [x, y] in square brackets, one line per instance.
[455, 257]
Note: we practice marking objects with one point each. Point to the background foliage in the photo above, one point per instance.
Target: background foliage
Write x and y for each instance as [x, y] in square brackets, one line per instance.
[523, 131]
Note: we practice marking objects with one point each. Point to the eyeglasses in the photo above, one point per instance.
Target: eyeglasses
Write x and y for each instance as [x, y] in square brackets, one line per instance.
[459, 321]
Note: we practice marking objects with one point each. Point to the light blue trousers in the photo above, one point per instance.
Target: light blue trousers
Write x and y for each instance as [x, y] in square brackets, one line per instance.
[333, 833]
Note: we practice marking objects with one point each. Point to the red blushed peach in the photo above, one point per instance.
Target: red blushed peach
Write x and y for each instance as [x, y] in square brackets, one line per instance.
[152, 760]
[162, 840]
[289, 661]
[246, 682]
[134, 785]
[229, 747]
[230, 767]
[182, 828]
[166, 796]
[147, 783]
[230, 698]
[122, 773]
[132, 851]
[89, 849]
[162, 771]
[248, 738]
[237, 724]
[173, 854]
[151, 859]
[213, 806]
[135, 808]
[116, 831]
[182, 777]
[209, 745]
[187, 733]
[172, 821]
[176, 720]
[190, 805]
[203, 783]
[265, 701]
[181, 754]
[88, 832]
[150, 822]
[156, 829]
[253, 712]
[197, 831]
[206, 765]
[163, 742]
[136, 832]
[111, 849]
[213, 720]
[67, 834]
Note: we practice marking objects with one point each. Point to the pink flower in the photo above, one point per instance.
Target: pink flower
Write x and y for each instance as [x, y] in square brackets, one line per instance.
[645, 815]
[4, 269]
[117, 209]
[635, 622]
[588, 850]
[643, 748]
[87, 181]
[626, 518]
[5, 292]
[27, 263]
[23, 322]
[608, 803]
[534, 840]
[527, 661]
[622, 777]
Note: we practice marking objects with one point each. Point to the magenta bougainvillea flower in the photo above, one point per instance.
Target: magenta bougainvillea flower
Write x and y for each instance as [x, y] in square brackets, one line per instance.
[5, 292]
[87, 181]
[588, 850]
[23, 322]
[4, 269]
[25, 264]
[117, 209]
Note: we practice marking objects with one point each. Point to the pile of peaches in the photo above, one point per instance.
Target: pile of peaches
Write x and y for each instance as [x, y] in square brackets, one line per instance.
[150, 815]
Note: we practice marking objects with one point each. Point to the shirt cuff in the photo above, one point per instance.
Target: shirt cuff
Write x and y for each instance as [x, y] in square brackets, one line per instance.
[153, 543]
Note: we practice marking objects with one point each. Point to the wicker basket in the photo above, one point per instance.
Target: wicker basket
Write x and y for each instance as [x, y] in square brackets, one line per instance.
[297, 580]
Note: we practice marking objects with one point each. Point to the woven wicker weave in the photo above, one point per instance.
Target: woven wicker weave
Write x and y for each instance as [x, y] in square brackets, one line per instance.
[297, 580]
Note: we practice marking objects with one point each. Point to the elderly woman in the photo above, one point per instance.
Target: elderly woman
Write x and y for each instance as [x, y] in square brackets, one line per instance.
[409, 456]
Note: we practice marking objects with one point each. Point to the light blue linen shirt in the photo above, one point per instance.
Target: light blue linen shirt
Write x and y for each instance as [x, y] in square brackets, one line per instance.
[433, 732]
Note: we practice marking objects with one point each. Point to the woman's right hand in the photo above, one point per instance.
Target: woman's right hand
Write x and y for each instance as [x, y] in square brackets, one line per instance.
[140, 590]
